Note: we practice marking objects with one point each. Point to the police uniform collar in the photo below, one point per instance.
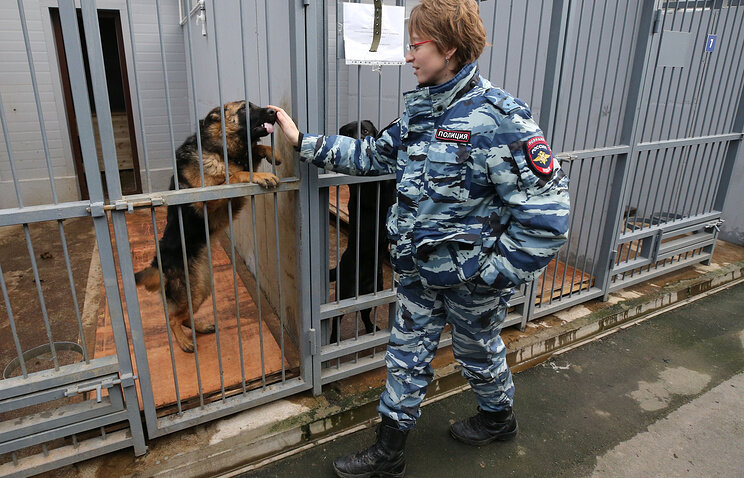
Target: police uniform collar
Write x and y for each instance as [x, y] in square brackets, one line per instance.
[433, 100]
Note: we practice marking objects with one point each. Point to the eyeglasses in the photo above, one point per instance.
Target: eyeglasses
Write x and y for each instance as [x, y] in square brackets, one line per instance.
[414, 46]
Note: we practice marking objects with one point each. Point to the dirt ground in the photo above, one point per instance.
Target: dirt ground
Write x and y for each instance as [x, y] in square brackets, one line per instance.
[24, 298]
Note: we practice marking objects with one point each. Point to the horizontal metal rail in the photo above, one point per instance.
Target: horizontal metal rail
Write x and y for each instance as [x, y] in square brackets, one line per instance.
[593, 153]
[690, 223]
[676, 143]
[352, 304]
[228, 406]
[337, 179]
[45, 212]
[67, 374]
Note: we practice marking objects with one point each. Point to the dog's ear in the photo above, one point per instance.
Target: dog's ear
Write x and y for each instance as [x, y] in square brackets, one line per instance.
[349, 129]
[370, 127]
[201, 125]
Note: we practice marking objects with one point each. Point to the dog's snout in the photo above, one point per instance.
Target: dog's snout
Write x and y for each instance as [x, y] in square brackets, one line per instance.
[271, 114]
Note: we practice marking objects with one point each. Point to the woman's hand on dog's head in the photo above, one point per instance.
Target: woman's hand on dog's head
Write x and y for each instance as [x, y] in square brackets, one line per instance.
[287, 125]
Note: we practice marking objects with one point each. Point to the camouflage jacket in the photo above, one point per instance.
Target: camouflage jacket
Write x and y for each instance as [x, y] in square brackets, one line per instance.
[480, 198]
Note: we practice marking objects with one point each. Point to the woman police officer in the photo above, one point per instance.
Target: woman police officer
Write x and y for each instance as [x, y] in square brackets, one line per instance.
[481, 206]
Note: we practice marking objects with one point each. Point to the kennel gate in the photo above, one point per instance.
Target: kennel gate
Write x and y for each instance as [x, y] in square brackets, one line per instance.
[62, 414]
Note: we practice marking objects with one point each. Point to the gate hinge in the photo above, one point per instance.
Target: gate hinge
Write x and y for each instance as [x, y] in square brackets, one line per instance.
[314, 338]
[657, 245]
[657, 22]
[613, 256]
[305, 3]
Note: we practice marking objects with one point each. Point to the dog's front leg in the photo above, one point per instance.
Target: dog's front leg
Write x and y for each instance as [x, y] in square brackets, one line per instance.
[264, 152]
[266, 180]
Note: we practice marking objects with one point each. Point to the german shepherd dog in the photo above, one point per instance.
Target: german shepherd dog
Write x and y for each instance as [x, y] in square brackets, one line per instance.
[188, 175]
[365, 196]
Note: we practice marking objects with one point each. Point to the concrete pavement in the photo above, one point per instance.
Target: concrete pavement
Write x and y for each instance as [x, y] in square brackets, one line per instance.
[662, 398]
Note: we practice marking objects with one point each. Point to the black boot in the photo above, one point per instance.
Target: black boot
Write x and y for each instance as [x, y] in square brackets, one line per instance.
[485, 427]
[384, 458]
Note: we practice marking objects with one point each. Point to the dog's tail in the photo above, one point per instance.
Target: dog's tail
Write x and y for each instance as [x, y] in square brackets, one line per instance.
[149, 277]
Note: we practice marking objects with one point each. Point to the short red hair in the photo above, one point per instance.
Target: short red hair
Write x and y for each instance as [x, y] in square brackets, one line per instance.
[451, 24]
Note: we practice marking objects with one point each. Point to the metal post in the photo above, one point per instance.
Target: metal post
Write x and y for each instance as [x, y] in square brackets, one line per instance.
[68, 17]
[556, 52]
[734, 151]
[308, 107]
[622, 167]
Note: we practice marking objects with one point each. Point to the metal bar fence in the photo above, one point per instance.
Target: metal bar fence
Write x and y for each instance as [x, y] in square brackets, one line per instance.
[661, 140]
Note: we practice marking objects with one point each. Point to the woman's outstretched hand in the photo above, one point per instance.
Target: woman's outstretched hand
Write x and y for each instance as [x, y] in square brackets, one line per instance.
[287, 125]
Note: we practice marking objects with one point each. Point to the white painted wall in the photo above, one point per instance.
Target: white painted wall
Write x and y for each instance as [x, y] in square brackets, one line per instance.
[20, 108]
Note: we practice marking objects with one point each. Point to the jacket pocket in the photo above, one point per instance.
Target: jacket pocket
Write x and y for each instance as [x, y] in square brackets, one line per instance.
[447, 173]
[447, 259]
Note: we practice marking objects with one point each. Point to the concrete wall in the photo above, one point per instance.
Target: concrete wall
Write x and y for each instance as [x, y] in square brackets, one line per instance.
[20, 109]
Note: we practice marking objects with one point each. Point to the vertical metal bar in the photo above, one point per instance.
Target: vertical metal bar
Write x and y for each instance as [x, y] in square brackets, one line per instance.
[594, 79]
[27, 234]
[607, 72]
[733, 64]
[521, 51]
[47, 157]
[679, 79]
[602, 222]
[646, 106]
[338, 244]
[308, 95]
[727, 168]
[661, 84]
[731, 155]
[689, 75]
[276, 202]
[686, 159]
[581, 231]
[537, 54]
[11, 319]
[706, 84]
[149, 411]
[692, 125]
[508, 40]
[133, 46]
[628, 136]
[569, 173]
[555, 56]
[73, 49]
[707, 182]
[259, 293]
[594, 201]
[164, 301]
[493, 36]
[180, 212]
[599, 225]
[626, 78]
[229, 214]
[573, 72]
[572, 223]
[664, 204]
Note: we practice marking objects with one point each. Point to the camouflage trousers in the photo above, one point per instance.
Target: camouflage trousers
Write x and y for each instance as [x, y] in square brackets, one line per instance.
[475, 318]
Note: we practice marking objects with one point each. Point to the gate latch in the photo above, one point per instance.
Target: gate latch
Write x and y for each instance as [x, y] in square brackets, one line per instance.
[125, 380]
[714, 225]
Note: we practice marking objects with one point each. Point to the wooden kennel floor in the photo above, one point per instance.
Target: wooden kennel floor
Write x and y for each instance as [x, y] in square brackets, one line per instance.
[139, 225]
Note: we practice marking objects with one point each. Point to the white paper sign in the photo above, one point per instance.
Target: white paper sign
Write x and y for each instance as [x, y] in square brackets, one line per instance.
[359, 21]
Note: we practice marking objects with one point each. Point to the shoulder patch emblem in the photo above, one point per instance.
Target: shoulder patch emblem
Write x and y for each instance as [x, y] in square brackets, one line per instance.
[539, 156]
[451, 135]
